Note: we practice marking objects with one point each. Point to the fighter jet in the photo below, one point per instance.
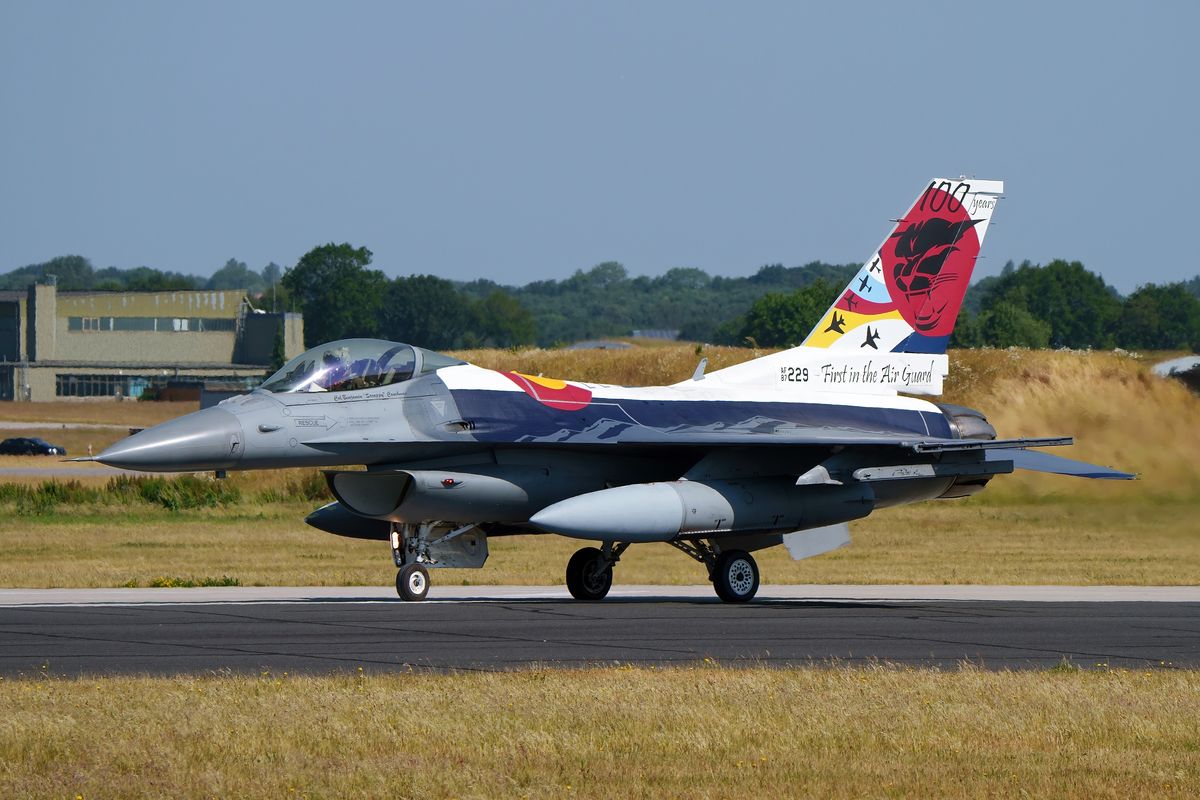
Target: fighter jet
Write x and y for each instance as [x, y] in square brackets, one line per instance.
[784, 449]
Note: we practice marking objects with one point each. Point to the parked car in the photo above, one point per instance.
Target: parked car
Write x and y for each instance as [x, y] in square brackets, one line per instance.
[30, 447]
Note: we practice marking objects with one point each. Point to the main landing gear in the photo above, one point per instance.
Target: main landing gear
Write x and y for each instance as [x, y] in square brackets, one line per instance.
[734, 573]
[735, 576]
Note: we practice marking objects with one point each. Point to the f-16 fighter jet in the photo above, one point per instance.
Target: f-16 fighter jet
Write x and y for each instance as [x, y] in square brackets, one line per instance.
[784, 449]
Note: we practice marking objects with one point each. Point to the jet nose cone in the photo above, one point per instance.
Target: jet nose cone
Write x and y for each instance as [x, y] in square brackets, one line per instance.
[207, 439]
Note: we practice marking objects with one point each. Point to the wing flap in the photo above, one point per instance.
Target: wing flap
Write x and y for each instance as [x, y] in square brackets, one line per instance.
[960, 445]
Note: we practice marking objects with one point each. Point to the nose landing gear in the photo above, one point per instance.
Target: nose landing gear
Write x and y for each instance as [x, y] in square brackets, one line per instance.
[418, 548]
[590, 571]
[412, 582]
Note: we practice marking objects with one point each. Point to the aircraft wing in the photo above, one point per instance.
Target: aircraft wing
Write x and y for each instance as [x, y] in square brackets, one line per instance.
[993, 450]
[773, 434]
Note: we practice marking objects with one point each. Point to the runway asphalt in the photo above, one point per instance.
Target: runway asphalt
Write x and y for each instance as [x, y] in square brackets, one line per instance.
[169, 631]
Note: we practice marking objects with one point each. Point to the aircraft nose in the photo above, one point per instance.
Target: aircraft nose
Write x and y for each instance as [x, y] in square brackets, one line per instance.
[207, 439]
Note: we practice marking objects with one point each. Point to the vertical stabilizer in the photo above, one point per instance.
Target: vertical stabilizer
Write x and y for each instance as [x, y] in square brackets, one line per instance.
[906, 297]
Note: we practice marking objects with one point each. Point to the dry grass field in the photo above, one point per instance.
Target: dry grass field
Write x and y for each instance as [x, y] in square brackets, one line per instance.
[1028, 543]
[128, 413]
[700, 732]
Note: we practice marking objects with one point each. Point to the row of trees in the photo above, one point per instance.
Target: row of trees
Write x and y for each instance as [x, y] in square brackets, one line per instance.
[76, 274]
[340, 297]
[602, 301]
[1060, 304]
[338, 292]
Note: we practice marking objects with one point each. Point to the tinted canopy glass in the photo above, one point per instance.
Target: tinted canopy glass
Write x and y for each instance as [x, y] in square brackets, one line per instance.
[350, 364]
[346, 365]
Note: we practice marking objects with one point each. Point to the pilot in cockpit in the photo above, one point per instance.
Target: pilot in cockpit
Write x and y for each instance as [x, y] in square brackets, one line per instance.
[334, 371]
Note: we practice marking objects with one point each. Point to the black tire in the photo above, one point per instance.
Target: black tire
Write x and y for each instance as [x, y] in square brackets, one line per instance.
[412, 582]
[588, 577]
[735, 576]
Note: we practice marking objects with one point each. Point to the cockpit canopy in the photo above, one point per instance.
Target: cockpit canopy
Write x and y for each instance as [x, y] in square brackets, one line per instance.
[349, 364]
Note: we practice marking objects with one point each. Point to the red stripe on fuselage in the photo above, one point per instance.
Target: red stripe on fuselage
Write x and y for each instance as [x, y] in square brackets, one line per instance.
[568, 398]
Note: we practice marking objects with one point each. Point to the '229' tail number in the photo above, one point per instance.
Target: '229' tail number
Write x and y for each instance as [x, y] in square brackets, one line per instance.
[793, 374]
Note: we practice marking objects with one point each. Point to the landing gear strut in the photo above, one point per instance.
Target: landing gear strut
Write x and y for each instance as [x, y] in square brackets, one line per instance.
[412, 579]
[418, 548]
[734, 573]
[590, 571]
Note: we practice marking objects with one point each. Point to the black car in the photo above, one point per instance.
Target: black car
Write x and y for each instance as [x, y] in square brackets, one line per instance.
[30, 447]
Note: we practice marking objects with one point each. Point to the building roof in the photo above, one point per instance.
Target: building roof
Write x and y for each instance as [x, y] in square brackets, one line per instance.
[141, 366]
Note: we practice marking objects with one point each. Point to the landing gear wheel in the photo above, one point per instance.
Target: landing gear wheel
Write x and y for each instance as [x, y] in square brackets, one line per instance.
[412, 582]
[589, 575]
[735, 576]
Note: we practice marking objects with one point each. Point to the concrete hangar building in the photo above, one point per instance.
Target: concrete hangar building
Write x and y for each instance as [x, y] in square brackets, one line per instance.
[67, 345]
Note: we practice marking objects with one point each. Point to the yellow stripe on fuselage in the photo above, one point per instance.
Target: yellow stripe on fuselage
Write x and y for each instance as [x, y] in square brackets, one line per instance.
[546, 383]
[824, 337]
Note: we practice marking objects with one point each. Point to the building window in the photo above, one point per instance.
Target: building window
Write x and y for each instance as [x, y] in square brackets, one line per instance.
[68, 385]
[133, 323]
[166, 324]
[91, 385]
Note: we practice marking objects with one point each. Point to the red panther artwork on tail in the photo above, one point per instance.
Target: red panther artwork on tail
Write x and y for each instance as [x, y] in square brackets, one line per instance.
[928, 262]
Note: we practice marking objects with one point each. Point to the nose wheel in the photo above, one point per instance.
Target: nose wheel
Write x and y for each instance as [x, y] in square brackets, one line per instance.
[589, 575]
[590, 571]
[412, 582]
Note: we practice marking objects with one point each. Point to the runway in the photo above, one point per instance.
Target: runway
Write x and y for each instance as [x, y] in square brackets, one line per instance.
[168, 631]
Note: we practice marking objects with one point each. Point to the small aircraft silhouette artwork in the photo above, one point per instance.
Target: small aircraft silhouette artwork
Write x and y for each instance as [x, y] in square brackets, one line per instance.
[836, 324]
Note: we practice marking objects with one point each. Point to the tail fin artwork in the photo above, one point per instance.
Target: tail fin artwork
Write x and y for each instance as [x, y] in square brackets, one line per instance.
[906, 297]
[887, 331]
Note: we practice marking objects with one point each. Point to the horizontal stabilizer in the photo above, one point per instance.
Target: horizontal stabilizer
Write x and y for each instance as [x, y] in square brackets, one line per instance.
[1057, 465]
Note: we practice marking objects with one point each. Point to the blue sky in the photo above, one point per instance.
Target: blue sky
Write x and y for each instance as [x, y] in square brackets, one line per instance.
[523, 141]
